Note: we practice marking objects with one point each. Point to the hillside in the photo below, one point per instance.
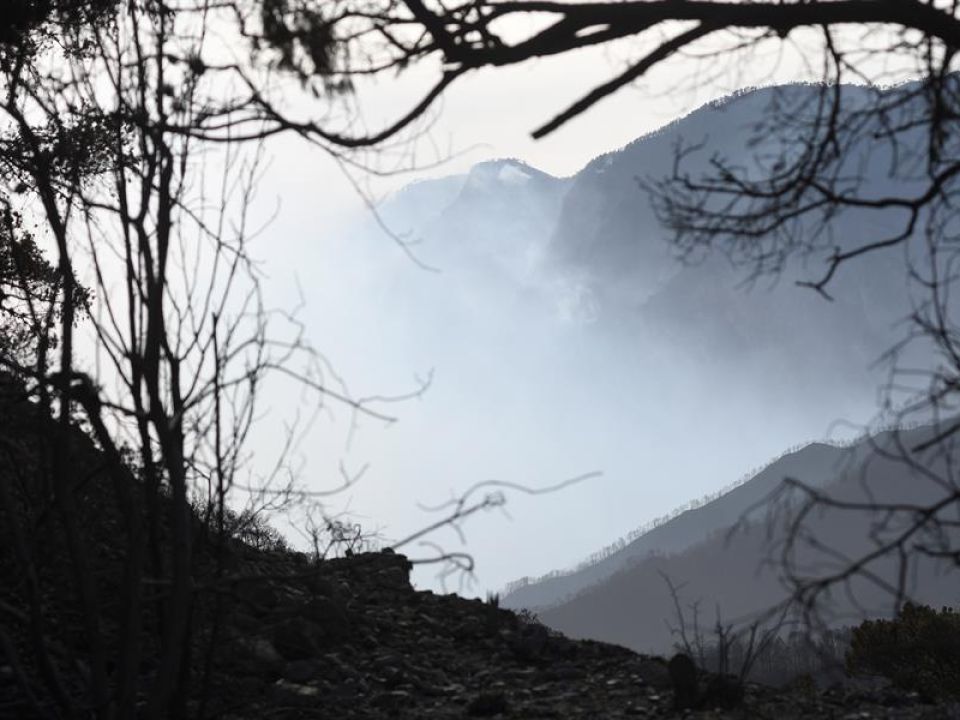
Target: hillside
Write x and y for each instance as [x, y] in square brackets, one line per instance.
[740, 574]
[278, 634]
[816, 461]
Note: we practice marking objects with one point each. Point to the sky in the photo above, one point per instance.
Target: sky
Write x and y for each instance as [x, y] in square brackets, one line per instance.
[490, 414]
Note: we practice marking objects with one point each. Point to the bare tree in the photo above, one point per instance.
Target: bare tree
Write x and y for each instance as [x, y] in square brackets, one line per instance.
[119, 139]
[132, 136]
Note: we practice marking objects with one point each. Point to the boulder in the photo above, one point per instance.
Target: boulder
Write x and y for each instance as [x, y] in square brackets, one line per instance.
[329, 618]
[253, 656]
[683, 678]
[297, 638]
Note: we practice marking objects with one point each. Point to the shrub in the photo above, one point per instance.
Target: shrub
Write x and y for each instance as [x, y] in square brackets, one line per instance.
[800, 658]
[253, 530]
[528, 617]
[919, 650]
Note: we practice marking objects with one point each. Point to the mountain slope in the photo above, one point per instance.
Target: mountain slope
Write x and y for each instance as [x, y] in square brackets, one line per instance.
[816, 461]
[594, 251]
[741, 573]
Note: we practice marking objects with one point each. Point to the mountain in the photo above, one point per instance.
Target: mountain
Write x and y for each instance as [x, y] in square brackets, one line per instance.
[590, 249]
[607, 230]
[783, 345]
[739, 574]
[609, 243]
[497, 216]
[816, 462]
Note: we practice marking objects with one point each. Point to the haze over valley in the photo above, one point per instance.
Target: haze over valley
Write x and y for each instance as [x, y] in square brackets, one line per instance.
[565, 335]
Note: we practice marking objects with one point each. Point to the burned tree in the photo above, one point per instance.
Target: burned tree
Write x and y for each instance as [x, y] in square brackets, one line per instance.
[138, 172]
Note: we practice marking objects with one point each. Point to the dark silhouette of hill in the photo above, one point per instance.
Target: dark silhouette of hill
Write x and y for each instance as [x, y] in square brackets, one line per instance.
[815, 461]
[739, 574]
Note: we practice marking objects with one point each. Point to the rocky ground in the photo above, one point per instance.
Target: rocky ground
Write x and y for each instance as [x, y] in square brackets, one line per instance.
[353, 639]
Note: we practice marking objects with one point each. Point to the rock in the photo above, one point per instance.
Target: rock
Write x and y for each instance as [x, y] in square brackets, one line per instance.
[255, 656]
[467, 629]
[289, 693]
[722, 691]
[529, 643]
[562, 672]
[393, 677]
[301, 671]
[329, 616]
[683, 678]
[392, 700]
[244, 622]
[259, 595]
[297, 639]
[487, 704]
[317, 584]
[655, 674]
[394, 569]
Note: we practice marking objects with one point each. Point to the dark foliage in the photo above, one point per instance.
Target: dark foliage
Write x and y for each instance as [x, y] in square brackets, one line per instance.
[683, 677]
[43, 645]
[253, 530]
[919, 650]
[782, 660]
[29, 288]
[302, 37]
[28, 24]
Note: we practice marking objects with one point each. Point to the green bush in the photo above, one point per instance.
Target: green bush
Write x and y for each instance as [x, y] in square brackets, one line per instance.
[919, 650]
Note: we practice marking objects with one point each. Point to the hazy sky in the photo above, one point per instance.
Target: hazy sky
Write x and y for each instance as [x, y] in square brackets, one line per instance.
[508, 412]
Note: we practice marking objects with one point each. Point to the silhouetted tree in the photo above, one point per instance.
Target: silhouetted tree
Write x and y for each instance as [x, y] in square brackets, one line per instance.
[132, 135]
[110, 117]
[30, 302]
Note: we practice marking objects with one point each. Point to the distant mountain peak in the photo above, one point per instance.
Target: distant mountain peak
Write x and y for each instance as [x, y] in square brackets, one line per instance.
[492, 174]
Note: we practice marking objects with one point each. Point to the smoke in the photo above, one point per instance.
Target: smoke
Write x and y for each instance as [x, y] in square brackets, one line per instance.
[533, 382]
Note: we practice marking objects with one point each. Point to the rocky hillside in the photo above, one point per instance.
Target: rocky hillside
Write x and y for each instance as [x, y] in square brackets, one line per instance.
[351, 639]
[281, 635]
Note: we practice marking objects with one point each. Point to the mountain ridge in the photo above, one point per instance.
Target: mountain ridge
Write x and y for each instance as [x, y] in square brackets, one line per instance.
[513, 595]
[732, 570]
